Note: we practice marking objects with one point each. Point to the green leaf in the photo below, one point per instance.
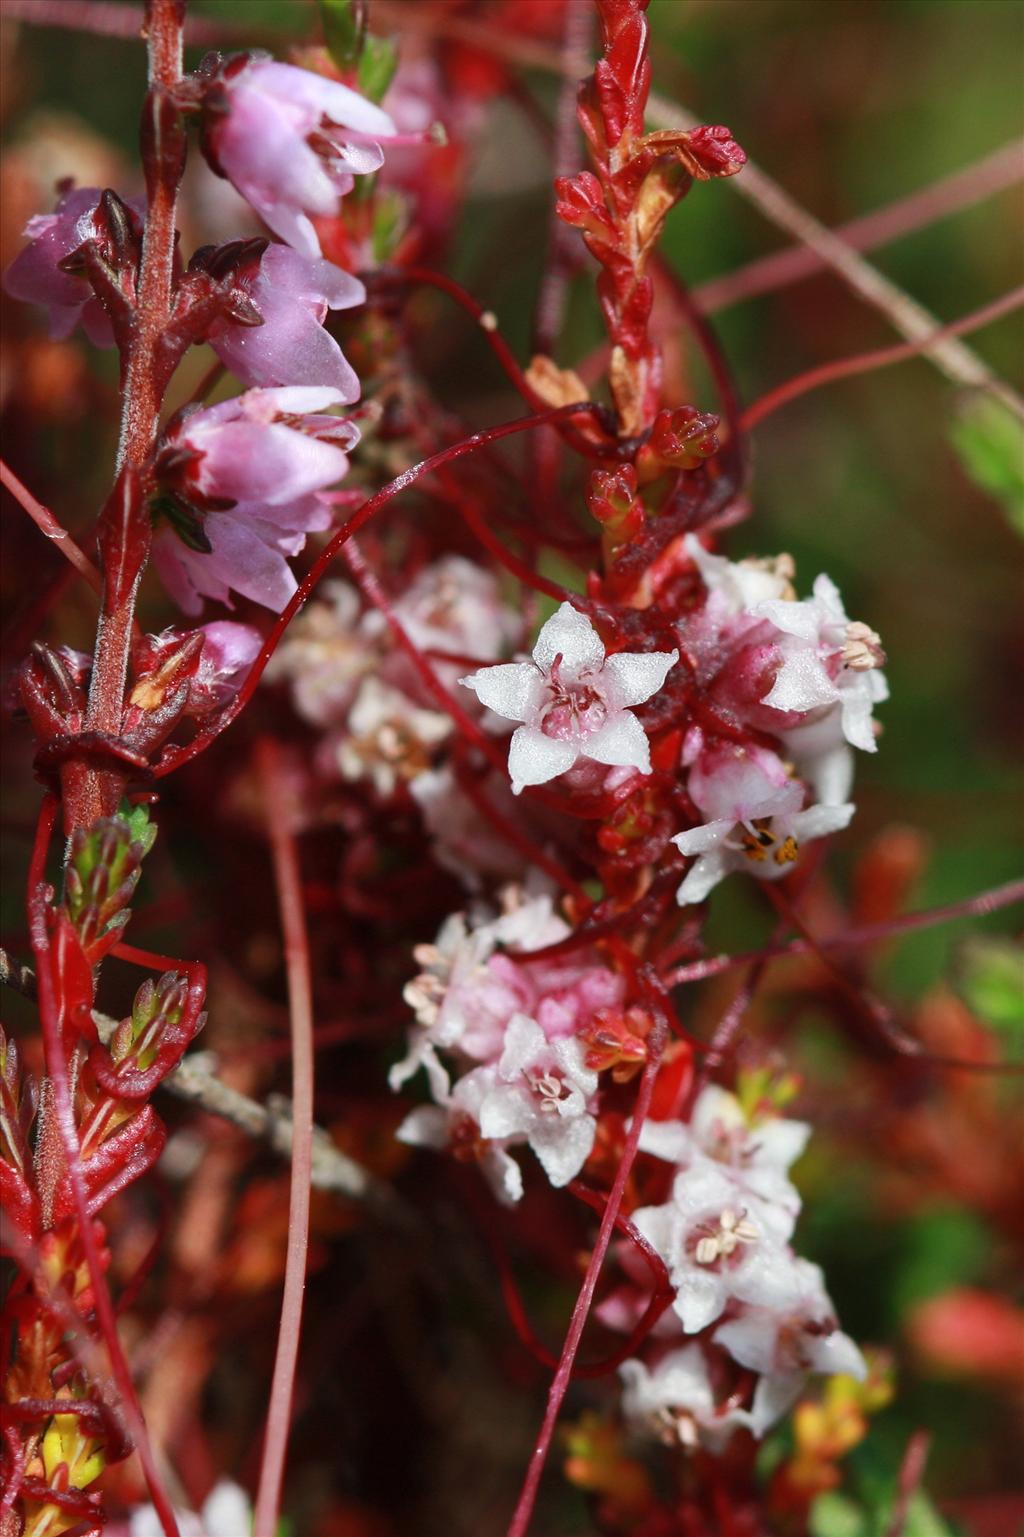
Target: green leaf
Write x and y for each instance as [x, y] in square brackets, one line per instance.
[377, 66]
[836, 1515]
[990, 442]
[991, 982]
[344, 24]
[923, 1520]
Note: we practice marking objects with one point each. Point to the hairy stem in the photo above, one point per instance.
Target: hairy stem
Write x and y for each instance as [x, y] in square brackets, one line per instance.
[124, 534]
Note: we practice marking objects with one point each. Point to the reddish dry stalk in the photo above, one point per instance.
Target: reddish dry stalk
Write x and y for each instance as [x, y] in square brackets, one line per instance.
[994, 173]
[854, 939]
[866, 362]
[57, 1072]
[520, 1522]
[911, 1473]
[288, 879]
[47, 524]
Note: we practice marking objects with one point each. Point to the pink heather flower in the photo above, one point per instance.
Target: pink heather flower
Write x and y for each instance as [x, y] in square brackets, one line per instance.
[245, 477]
[755, 824]
[789, 1325]
[35, 276]
[291, 141]
[229, 650]
[718, 1240]
[573, 700]
[675, 1402]
[293, 294]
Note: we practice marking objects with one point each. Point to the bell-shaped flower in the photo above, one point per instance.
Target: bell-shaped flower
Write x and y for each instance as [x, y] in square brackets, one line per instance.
[766, 843]
[388, 739]
[827, 661]
[454, 605]
[675, 1402]
[541, 1093]
[757, 1157]
[737, 587]
[226, 1512]
[35, 276]
[789, 1323]
[474, 979]
[453, 1125]
[716, 1240]
[290, 141]
[324, 656]
[240, 484]
[573, 700]
[293, 294]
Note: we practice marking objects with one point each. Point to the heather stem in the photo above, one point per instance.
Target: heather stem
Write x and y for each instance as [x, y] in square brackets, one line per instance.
[124, 533]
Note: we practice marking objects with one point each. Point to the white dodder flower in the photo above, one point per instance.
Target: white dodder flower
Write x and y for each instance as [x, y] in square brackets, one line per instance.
[573, 700]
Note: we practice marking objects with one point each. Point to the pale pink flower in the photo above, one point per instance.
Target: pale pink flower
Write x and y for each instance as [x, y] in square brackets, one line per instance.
[765, 841]
[474, 979]
[573, 700]
[455, 1123]
[675, 1402]
[757, 1157]
[325, 655]
[290, 141]
[717, 1240]
[388, 739]
[541, 1092]
[293, 294]
[789, 1324]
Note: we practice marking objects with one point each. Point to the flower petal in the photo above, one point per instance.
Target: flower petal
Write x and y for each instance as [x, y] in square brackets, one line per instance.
[704, 877]
[513, 690]
[568, 634]
[534, 758]
[621, 741]
[636, 675]
[563, 1146]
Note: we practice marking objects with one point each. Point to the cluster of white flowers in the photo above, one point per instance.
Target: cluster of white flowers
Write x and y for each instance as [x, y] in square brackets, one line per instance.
[512, 1023]
[724, 1236]
[799, 671]
[348, 677]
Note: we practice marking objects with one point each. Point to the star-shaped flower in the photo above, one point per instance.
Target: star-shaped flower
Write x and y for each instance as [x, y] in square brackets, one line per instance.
[675, 1401]
[767, 844]
[573, 700]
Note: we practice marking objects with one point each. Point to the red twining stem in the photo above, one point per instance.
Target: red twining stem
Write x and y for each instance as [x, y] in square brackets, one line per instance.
[524, 1509]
